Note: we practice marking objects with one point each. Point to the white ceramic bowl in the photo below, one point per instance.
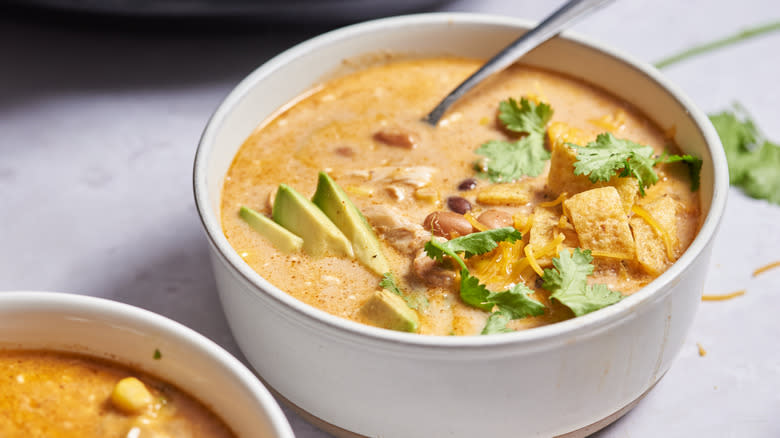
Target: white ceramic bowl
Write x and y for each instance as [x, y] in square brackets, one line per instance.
[572, 377]
[129, 335]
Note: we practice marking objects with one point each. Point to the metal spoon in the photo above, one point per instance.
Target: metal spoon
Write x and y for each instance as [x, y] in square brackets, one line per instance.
[547, 29]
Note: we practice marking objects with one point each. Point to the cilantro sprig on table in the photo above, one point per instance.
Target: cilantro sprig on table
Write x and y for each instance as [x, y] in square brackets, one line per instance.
[507, 161]
[568, 284]
[754, 163]
[608, 156]
[513, 303]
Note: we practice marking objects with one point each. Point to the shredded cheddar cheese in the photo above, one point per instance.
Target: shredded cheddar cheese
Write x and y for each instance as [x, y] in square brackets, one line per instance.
[607, 254]
[724, 297]
[534, 98]
[523, 223]
[529, 253]
[644, 214]
[702, 351]
[765, 268]
[552, 248]
[610, 122]
[500, 266]
[474, 222]
[554, 202]
[564, 224]
[539, 95]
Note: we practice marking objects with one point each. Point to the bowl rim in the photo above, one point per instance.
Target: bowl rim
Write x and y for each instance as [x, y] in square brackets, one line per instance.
[61, 302]
[560, 331]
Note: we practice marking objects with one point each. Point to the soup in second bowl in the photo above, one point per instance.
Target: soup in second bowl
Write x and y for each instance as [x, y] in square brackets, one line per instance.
[55, 394]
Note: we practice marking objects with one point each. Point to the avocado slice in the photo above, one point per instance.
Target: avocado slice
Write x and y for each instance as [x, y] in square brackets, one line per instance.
[335, 203]
[282, 239]
[301, 217]
[388, 310]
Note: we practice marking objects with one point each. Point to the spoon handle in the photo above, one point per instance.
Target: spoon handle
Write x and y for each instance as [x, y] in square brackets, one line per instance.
[547, 29]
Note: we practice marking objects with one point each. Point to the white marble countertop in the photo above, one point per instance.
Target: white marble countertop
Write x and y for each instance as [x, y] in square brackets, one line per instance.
[98, 129]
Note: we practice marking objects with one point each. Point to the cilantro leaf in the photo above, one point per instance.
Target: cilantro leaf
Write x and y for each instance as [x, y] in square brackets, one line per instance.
[517, 302]
[388, 282]
[528, 116]
[496, 323]
[601, 160]
[415, 301]
[510, 160]
[568, 284]
[474, 293]
[754, 163]
[471, 244]
[762, 181]
[694, 167]
[514, 303]
[436, 250]
[740, 139]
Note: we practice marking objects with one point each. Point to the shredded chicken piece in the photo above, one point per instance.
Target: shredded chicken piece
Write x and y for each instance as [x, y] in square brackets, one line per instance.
[400, 232]
[396, 192]
[430, 272]
[415, 176]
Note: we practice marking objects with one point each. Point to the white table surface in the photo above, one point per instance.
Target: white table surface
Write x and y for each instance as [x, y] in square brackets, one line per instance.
[98, 128]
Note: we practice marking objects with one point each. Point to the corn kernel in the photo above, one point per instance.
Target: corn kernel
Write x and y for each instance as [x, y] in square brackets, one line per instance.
[504, 194]
[427, 194]
[131, 396]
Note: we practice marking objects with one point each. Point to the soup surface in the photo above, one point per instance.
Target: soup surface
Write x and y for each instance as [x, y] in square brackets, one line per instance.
[415, 183]
[48, 394]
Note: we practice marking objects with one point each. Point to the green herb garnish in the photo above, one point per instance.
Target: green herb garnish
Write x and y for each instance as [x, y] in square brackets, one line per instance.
[415, 301]
[754, 163]
[496, 323]
[602, 159]
[608, 156]
[471, 244]
[510, 160]
[528, 117]
[694, 167]
[567, 282]
[517, 302]
[157, 355]
[513, 303]
[717, 44]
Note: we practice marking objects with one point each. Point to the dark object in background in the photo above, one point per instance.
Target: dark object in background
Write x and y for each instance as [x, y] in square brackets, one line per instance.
[285, 10]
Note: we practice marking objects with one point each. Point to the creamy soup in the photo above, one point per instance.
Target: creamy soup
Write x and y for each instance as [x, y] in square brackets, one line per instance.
[491, 164]
[48, 394]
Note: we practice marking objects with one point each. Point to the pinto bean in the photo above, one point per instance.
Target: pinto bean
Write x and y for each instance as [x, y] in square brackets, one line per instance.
[495, 219]
[458, 205]
[345, 151]
[396, 137]
[447, 224]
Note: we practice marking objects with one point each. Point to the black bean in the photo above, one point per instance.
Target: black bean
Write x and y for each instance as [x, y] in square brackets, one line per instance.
[458, 205]
[467, 184]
